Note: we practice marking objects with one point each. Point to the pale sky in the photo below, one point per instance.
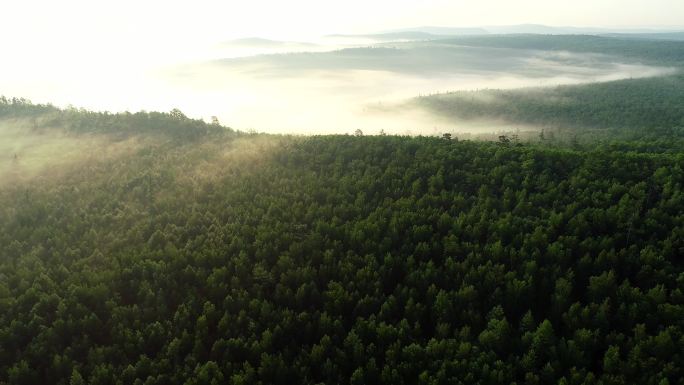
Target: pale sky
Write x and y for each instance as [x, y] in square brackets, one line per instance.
[107, 54]
[153, 27]
[148, 20]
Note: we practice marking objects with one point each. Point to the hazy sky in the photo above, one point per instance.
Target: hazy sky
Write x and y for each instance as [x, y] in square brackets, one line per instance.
[158, 28]
[108, 54]
[87, 20]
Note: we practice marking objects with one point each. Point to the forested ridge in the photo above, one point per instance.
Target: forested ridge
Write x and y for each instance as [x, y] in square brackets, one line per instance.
[45, 116]
[248, 259]
[635, 110]
[629, 108]
[658, 52]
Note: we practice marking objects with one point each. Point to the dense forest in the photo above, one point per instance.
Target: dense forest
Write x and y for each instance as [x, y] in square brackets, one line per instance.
[622, 108]
[257, 259]
[41, 116]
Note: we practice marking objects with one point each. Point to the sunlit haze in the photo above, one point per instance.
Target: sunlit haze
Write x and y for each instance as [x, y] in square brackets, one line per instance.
[132, 55]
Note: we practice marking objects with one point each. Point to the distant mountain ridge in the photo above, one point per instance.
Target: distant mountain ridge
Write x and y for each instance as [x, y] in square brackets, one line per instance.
[674, 36]
[264, 43]
[393, 36]
[565, 30]
[437, 32]
[433, 31]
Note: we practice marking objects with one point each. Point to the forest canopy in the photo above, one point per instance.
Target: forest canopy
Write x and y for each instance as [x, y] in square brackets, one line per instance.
[250, 259]
[45, 116]
[622, 109]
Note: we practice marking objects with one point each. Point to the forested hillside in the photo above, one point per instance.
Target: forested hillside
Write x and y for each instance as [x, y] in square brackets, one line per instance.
[72, 120]
[623, 108]
[248, 259]
[646, 50]
[633, 109]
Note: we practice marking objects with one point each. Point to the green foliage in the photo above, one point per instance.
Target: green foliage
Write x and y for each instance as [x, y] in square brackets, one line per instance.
[173, 123]
[76, 378]
[628, 109]
[344, 259]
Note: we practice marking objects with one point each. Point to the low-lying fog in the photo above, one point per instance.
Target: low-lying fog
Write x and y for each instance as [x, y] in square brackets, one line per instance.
[302, 88]
[27, 153]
